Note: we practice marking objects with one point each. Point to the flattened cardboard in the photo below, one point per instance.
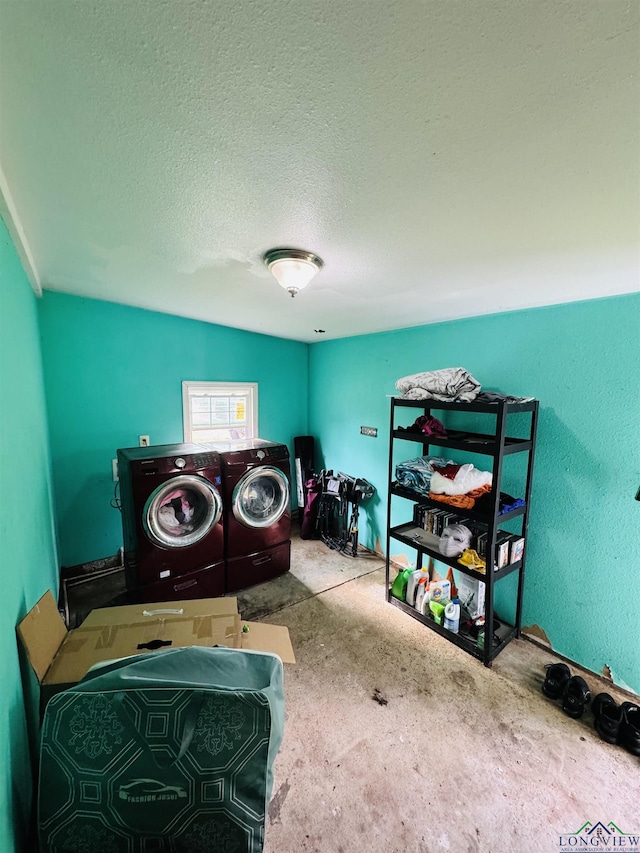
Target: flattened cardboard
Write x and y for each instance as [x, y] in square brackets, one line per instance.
[127, 614]
[61, 658]
[42, 632]
[85, 647]
[262, 637]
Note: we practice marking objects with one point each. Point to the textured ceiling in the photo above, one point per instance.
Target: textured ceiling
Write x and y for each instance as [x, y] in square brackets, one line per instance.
[445, 159]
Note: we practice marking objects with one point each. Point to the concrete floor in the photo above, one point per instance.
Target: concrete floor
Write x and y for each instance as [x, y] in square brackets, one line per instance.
[396, 741]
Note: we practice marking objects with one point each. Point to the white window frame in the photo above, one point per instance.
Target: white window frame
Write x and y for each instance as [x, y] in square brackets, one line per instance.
[223, 389]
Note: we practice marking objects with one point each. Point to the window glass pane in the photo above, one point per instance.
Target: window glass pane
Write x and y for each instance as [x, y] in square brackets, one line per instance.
[201, 436]
[200, 411]
[200, 404]
[220, 407]
[238, 410]
[201, 419]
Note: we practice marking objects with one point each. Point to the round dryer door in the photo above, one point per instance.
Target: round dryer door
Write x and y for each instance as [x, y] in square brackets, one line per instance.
[181, 511]
[261, 497]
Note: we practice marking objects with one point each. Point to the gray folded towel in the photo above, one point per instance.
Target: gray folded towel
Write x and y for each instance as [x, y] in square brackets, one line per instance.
[448, 385]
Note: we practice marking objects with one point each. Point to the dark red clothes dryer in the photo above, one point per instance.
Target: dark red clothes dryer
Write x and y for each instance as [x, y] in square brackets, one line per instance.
[172, 521]
[257, 510]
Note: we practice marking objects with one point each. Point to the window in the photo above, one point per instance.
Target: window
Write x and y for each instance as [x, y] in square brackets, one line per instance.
[219, 411]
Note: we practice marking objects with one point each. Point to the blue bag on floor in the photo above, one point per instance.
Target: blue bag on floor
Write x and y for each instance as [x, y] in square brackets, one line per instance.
[167, 751]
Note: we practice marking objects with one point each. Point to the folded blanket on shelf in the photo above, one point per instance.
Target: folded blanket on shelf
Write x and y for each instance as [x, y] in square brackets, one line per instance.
[416, 474]
[448, 384]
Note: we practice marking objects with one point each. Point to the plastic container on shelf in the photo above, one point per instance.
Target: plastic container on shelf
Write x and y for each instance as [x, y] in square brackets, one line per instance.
[412, 584]
[399, 586]
[426, 601]
[437, 608]
[452, 616]
[422, 593]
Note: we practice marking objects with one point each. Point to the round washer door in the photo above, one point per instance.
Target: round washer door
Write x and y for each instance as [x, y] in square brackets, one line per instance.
[181, 511]
[261, 497]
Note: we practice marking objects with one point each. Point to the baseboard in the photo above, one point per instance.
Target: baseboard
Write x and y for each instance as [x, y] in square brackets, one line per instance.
[606, 681]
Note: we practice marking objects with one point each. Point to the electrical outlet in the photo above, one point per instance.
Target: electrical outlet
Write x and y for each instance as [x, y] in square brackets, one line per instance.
[144, 440]
[114, 470]
[371, 431]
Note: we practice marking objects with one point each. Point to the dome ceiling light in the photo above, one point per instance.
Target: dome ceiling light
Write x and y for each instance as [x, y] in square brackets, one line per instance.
[293, 269]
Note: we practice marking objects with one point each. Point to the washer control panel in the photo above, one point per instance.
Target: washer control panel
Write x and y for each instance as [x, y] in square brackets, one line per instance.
[276, 452]
[204, 460]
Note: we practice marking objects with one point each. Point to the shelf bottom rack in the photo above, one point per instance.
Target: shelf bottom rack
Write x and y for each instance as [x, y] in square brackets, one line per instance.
[468, 643]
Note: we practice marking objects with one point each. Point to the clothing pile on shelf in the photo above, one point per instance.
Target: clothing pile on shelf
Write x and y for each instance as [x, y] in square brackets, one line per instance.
[447, 385]
[496, 397]
[455, 479]
[459, 485]
[450, 385]
[416, 474]
[426, 425]
[445, 481]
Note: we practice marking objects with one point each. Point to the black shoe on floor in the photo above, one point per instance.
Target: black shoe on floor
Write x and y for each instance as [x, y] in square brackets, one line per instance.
[629, 735]
[607, 717]
[575, 697]
[557, 678]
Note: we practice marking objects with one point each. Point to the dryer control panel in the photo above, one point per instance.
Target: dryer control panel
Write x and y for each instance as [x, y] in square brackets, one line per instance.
[278, 451]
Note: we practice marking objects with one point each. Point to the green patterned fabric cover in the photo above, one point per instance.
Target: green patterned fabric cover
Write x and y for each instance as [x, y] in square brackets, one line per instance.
[167, 751]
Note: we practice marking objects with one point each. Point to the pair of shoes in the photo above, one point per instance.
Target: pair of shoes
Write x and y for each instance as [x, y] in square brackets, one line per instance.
[574, 690]
[617, 723]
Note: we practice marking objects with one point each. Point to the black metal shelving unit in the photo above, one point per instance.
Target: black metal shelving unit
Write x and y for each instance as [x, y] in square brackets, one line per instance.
[495, 445]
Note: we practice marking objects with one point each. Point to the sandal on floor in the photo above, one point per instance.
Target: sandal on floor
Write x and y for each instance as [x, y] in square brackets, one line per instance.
[558, 675]
[607, 717]
[629, 735]
[576, 696]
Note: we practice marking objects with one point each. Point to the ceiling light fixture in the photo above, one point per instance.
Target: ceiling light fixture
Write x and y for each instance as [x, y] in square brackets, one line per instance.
[293, 269]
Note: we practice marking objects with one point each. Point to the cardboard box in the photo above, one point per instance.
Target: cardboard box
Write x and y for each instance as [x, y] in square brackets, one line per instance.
[61, 658]
[471, 596]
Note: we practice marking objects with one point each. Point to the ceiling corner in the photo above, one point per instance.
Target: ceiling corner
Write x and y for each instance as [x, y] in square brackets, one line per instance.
[10, 215]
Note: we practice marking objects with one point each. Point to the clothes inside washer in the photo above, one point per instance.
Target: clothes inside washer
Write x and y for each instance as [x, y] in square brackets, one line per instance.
[260, 499]
[176, 515]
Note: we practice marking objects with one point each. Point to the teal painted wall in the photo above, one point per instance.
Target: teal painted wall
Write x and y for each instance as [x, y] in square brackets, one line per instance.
[582, 361]
[29, 563]
[113, 373]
